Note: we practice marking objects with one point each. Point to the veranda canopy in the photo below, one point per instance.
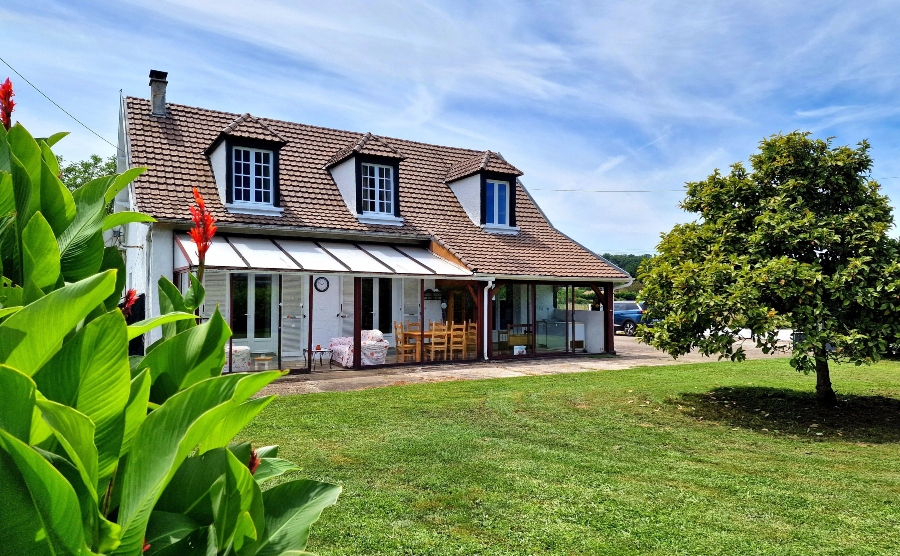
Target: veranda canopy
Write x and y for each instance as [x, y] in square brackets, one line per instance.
[295, 255]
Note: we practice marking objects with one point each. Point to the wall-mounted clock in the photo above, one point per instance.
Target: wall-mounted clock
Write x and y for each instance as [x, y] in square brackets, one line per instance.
[321, 284]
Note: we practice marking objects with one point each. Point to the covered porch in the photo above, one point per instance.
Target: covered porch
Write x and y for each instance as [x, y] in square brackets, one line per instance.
[297, 304]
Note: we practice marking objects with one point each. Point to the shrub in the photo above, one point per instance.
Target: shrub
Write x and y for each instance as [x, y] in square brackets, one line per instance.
[105, 454]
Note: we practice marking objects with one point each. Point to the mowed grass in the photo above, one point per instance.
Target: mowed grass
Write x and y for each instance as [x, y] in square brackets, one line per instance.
[715, 458]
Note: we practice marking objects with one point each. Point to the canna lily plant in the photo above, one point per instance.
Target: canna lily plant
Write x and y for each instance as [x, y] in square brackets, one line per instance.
[105, 454]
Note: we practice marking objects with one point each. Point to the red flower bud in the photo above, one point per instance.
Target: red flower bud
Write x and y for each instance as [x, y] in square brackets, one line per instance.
[7, 104]
[204, 227]
[127, 301]
[254, 462]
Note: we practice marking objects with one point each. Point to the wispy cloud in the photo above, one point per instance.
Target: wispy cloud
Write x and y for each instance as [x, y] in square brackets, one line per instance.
[585, 95]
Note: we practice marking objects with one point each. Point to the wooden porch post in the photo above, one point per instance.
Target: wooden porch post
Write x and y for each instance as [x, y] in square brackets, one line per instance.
[609, 331]
[309, 327]
[357, 322]
[479, 321]
[280, 302]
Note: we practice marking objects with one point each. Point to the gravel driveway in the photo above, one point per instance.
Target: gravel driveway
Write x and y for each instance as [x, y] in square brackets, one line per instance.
[630, 353]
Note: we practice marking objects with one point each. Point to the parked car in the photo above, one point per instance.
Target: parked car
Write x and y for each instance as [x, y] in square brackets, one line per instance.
[627, 315]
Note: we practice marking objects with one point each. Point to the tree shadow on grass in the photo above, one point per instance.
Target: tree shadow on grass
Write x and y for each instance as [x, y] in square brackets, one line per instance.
[874, 419]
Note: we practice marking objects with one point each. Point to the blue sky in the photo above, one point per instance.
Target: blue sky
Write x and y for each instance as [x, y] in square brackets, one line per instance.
[632, 95]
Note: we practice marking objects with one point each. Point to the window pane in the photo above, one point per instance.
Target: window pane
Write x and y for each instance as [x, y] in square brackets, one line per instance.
[385, 305]
[239, 306]
[368, 303]
[501, 203]
[489, 203]
[262, 316]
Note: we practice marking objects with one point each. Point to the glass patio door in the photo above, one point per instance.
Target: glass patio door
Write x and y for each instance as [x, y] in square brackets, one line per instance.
[254, 302]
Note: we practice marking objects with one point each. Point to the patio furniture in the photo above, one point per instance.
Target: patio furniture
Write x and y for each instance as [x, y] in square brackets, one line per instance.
[373, 352]
[471, 340]
[321, 353]
[405, 349]
[457, 341]
[240, 361]
[439, 341]
[261, 362]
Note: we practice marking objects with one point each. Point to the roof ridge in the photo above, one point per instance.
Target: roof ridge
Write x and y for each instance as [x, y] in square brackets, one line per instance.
[314, 126]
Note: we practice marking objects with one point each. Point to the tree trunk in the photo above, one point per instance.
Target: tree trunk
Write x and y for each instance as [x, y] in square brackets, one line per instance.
[824, 392]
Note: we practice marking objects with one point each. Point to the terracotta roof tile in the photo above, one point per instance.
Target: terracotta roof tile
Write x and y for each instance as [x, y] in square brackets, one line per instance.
[173, 149]
[487, 161]
[250, 127]
[367, 144]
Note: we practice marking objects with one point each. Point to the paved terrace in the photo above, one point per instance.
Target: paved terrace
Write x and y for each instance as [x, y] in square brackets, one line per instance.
[630, 353]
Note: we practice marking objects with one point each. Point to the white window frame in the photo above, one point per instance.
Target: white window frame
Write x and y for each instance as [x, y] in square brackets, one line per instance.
[253, 178]
[382, 189]
[492, 217]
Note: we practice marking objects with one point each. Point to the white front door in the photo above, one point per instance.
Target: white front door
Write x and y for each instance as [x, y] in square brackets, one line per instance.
[255, 306]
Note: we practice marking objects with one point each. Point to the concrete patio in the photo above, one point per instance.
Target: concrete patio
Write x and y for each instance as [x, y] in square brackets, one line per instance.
[630, 353]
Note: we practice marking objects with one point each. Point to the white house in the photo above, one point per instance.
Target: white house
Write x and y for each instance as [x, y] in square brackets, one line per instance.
[329, 234]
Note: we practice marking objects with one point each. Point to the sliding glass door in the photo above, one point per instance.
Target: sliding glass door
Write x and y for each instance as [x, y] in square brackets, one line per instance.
[255, 306]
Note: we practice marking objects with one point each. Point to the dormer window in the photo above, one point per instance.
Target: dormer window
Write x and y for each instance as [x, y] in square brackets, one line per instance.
[244, 160]
[496, 203]
[252, 178]
[377, 189]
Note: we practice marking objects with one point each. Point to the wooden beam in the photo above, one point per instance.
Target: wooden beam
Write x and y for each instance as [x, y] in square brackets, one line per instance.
[357, 322]
[609, 331]
[444, 253]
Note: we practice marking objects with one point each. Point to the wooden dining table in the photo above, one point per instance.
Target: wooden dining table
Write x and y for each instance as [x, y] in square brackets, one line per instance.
[419, 336]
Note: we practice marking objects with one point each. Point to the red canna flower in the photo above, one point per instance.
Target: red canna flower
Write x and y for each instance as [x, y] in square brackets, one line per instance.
[146, 546]
[127, 301]
[7, 104]
[254, 462]
[203, 231]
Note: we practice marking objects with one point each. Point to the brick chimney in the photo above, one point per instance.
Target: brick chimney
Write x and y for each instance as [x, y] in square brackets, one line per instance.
[158, 92]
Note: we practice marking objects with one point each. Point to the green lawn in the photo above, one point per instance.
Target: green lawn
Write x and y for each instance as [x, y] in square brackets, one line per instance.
[714, 458]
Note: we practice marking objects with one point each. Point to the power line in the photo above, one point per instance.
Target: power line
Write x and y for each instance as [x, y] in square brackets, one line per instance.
[605, 190]
[57, 105]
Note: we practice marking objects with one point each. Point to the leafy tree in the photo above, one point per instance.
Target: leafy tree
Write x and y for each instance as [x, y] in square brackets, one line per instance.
[78, 173]
[105, 454]
[799, 242]
[628, 263]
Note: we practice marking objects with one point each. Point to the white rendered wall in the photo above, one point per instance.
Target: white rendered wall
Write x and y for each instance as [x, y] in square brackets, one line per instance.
[344, 175]
[326, 307]
[162, 254]
[593, 329]
[218, 161]
[468, 191]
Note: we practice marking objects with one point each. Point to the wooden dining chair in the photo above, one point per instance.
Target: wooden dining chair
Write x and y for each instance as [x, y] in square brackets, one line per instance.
[471, 340]
[457, 340]
[413, 326]
[404, 348]
[439, 341]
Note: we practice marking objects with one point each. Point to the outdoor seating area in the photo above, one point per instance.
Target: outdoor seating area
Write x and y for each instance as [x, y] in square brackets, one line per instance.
[440, 341]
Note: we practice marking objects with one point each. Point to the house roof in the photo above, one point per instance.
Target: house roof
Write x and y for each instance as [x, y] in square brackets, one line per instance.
[367, 144]
[488, 161]
[173, 149]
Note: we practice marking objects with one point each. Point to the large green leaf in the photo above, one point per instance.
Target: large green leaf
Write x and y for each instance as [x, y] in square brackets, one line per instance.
[40, 255]
[81, 244]
[120, 181]
[167, 436]
[26, 151]
[270, 468]
[4, 152]
[136, 410]
[146, 325]
[90, 373]
[171, 300]
[57, 203]
[75, 433]
[187, 358]
[112, 260]
[54, 139]
[195, 294]
[291, 509]
[167, 529]
[216, 488]
[29, 338]
[125, 217]
[18, 403]
[45, 520]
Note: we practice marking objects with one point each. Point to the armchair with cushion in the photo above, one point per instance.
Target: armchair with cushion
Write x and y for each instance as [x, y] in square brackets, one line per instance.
[373, 352]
